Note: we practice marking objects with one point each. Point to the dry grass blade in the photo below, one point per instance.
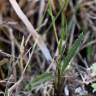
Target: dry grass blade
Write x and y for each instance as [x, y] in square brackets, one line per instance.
[31, 29]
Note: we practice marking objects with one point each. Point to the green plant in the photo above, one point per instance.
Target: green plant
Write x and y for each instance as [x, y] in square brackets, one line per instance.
[38, 80]
[61, 67]
[63, 61]
[63, 64]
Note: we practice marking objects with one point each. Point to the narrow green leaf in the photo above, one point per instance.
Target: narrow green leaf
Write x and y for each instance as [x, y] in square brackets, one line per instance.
[89, 52]
[38, 80]
[63, 27]
[71, 53]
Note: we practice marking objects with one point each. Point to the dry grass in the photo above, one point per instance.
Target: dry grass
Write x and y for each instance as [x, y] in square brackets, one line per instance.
[35, 38]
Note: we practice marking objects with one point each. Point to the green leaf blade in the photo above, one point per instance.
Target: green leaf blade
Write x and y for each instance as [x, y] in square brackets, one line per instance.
[71, 53]
[39, 80]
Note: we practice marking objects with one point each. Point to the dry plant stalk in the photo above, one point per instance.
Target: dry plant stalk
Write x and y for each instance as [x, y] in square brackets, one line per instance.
[21, 54]
[31, 30]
